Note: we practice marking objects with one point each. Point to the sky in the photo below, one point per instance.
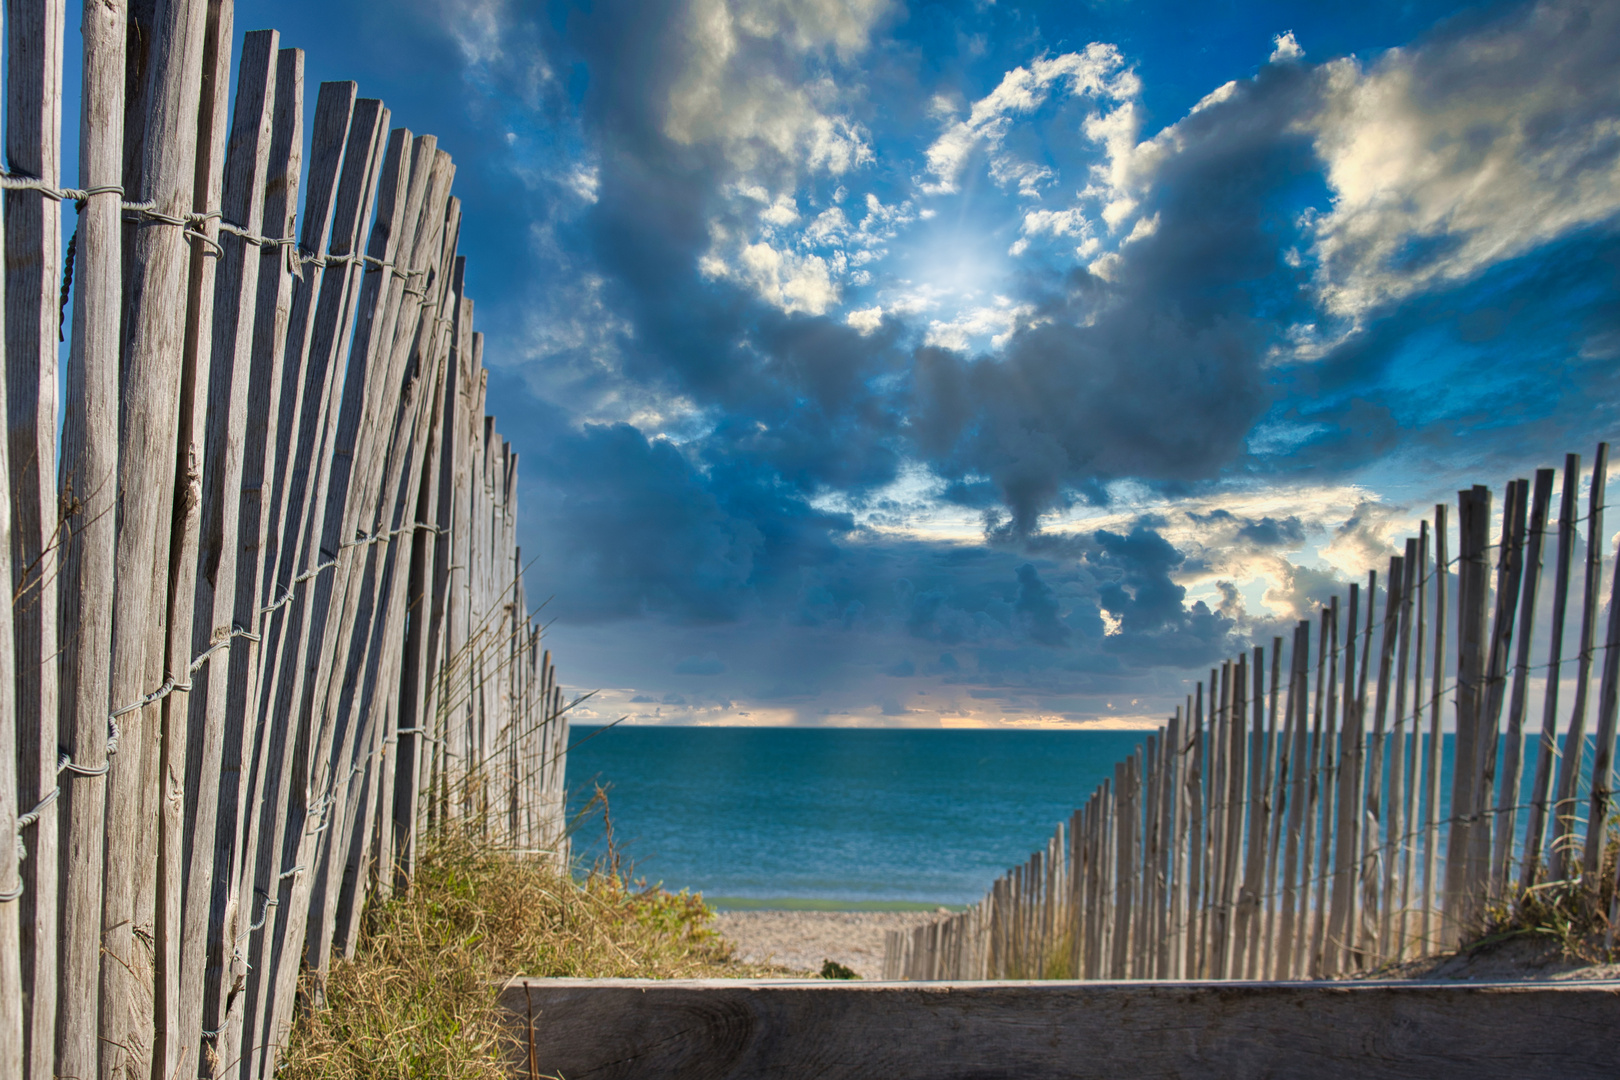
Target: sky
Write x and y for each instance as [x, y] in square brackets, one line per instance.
[874, 362]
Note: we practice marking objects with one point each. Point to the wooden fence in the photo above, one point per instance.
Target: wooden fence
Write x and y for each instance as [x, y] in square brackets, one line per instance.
[267, 619]
[1285, 824]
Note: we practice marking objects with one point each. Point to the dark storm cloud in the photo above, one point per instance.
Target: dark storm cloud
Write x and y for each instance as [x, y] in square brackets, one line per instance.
[1262, 533]
[1156, 373]
[1156, 625]
[701, 665]
[1037, 608]
[636, 528]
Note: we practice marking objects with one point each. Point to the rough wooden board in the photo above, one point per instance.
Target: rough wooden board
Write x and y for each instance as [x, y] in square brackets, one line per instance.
[731, 1030]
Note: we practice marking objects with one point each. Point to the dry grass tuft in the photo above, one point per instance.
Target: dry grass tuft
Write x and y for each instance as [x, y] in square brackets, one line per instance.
[419, 997]
[1572, 915]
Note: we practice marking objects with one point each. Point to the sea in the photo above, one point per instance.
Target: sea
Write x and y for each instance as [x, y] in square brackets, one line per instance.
[836, 818]
[832, 817]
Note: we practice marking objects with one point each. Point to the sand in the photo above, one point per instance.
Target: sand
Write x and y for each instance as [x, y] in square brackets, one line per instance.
[804, 940]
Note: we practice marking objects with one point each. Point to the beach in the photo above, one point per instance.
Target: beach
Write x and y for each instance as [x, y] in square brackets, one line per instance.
[804, 940]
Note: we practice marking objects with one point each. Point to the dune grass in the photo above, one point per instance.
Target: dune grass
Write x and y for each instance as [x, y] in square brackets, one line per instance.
[1573, 915]
[419, 997]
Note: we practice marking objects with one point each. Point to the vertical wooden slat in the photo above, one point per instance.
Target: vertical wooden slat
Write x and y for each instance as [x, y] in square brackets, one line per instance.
[1507, 798]
[1215, 913]
[1319, 825]
[1169, 819]
[1392, 915]
[1437, 678]
[246, 746]
[1123, 838]
[215, 625]
[1547, 744]
[1510, 565]
[1292, 751]
[1356, 766]
[1473, 516]
[1603, 749]
[1374, 818]
[1414, 750]
[1196, 848]
[88, 473]
[11, 885]
[1562, 858]
[33, 259]
[160, 157]
[1340, 916]
[298, 427]
[1247, 950]
[1276, 811]
[176, 814]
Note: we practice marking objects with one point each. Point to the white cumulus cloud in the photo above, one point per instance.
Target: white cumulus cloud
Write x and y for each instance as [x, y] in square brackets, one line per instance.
[1448, 158]
[1099, 69]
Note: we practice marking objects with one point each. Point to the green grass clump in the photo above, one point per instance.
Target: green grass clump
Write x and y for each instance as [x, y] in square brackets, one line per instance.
[419, 998]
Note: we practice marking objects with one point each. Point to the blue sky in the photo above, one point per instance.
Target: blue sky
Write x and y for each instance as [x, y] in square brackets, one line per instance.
[874, 362]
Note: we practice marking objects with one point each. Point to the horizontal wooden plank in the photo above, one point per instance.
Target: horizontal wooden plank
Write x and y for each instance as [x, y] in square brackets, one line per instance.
[584, 1029]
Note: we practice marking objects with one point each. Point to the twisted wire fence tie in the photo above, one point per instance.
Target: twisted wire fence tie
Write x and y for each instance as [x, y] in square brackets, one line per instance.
[191, 223]
[66, 764]
[236, 949]
[170, 685]
[23, 822]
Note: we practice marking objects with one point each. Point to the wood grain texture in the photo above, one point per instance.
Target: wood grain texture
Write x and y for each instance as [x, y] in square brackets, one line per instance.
[176, 819]
[160, 151]
[33, 261]
[88, 474]
[297, 429]
[723, 1030]
[214, 583]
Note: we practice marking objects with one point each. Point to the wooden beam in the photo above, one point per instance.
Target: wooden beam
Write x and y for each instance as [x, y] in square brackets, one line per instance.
[731, 1029]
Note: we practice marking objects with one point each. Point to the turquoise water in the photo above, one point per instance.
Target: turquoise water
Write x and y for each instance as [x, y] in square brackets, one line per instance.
[844, 817]
[930, 817]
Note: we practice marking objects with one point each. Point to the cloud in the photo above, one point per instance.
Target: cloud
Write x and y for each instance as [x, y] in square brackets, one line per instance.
[1449, 157]
[791, 282]
[1037, 608]
[1367, 539]
[708, 664]
[644, 532]
[865, 320]
[1072, 222]
[759, 431]
[1287, 49]
[740, 87]
[996, 322]
[1098, 70]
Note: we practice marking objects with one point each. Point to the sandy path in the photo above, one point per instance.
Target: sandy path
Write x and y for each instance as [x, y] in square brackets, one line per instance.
[804, 939]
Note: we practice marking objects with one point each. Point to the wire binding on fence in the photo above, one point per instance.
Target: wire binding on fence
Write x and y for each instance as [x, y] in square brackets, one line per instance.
[191, 223]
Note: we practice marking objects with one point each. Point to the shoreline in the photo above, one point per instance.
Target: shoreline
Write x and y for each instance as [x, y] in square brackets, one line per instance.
[796, 903]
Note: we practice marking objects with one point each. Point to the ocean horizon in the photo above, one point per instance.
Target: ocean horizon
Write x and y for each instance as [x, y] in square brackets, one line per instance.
[833, 818]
